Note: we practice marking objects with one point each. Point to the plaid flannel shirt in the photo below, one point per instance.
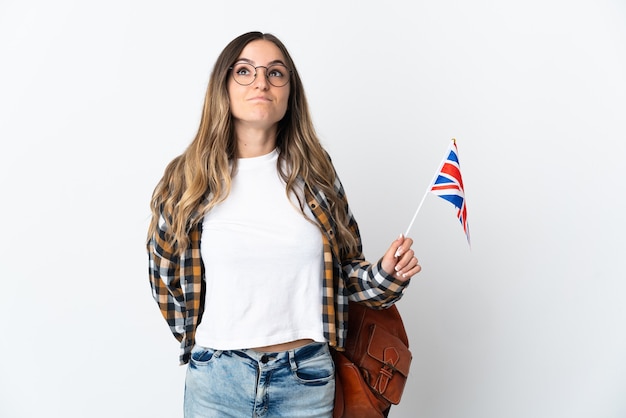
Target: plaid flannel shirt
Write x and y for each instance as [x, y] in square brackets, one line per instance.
[178, 287]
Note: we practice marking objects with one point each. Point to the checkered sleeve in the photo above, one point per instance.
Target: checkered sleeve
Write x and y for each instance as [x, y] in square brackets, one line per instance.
[367, 282]
[164, 275]
[347, 274]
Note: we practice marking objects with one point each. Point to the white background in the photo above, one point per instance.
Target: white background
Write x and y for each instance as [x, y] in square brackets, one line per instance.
[97, 97]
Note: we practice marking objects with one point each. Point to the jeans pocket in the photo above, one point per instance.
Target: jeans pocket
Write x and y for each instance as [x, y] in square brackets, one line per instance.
[201, 356]
[315, 370]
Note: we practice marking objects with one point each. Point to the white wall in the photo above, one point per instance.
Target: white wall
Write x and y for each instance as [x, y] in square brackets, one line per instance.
[96, 97]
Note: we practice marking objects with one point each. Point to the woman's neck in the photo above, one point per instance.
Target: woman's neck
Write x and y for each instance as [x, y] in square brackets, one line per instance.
[255, 142]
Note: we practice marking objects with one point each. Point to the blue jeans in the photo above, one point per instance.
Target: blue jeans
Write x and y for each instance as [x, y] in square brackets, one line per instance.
[249, 384]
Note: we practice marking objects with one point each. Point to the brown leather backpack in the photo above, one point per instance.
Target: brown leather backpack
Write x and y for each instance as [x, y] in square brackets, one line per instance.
[371, 373]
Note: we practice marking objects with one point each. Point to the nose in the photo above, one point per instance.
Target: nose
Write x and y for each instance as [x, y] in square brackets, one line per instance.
[260, 79]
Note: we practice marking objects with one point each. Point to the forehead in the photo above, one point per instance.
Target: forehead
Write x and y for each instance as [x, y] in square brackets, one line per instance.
[261, 52]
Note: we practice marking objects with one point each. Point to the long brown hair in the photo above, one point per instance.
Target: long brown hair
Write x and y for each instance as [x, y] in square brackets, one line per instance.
[200, 177]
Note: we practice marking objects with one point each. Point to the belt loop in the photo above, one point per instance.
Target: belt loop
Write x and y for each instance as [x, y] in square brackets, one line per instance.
[218, 353]
[292, 360]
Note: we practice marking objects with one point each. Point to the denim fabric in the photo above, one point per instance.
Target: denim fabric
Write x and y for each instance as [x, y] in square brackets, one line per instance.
[246, 383]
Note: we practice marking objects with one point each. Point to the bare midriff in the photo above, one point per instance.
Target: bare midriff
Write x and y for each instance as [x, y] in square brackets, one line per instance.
[283, 346]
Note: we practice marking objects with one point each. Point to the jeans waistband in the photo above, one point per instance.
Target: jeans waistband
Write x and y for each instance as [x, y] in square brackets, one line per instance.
[298, 354]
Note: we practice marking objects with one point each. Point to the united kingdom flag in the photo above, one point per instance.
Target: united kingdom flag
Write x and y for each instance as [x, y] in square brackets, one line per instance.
[448, 185]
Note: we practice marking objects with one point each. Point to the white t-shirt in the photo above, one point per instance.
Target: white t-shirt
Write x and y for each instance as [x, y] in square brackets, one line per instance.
[263, 264]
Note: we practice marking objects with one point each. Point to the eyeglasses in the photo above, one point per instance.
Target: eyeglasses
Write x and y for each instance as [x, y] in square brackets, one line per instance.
[277, 74]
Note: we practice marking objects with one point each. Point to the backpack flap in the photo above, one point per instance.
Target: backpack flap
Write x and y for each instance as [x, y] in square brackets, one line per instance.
[387, 364]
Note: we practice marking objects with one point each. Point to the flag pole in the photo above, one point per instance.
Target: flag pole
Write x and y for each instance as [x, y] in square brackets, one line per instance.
[445, 156]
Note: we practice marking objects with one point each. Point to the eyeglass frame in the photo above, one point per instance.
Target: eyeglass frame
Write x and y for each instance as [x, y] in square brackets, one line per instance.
[279, 64]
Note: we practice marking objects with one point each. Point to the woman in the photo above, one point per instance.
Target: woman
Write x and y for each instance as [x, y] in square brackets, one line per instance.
[253, 249]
